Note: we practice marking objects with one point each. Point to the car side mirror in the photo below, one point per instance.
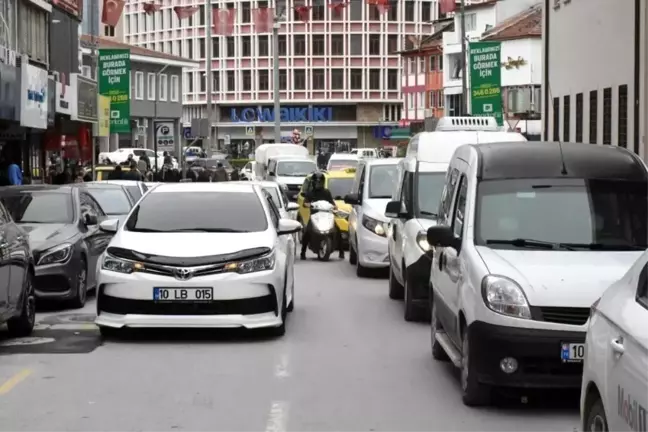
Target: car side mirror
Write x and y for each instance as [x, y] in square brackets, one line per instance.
[443, 236]
[288, 226]
[109, 226]
[272, 174]
[352, 199]
[395, 210]
[292, 206]
[90, 219]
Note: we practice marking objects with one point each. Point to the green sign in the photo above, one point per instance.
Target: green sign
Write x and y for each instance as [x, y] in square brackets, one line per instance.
[114, 82]
[486, 80]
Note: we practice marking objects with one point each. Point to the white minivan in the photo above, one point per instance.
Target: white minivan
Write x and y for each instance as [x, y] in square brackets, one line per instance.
[528, 238]
[415, 201]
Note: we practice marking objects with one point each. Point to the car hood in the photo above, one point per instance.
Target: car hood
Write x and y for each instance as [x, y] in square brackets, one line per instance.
[43, 236]
[292, 181]
[560, 278]
[191, 244]
[375, 208]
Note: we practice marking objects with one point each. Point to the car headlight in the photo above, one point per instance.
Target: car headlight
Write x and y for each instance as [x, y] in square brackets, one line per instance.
[505, 296]
[254, 265]
[56, 255]
[119, 265]
[374, 225]
[421, 241]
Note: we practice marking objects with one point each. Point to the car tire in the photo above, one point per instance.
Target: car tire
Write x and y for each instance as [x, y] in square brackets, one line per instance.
[438, 353]
[473, 392]
[595, 418]
[81, 288]
[23, 324]
[353, 256]
[291, 306]
[396, 290]
[281, 329]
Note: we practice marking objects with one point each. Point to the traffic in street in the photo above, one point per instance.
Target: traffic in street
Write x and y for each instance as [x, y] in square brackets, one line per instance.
[348, 362]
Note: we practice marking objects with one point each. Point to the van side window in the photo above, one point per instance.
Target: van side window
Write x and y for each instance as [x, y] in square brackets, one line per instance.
[460, 207]
[406, 191]
[448, 194]
[362, 181]
[642, 287]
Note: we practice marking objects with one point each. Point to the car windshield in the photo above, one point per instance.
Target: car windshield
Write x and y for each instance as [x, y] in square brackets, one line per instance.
[340, 164]
[199, 212]
[274, 193]
[430, 187]
[39, 207]
[573, 213]
[381, 181]
[295, 168]
[134, 192]
[340, 187]
[112, 201]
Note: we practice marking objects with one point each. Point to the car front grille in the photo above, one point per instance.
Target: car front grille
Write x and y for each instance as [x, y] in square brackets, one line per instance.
[561, 315]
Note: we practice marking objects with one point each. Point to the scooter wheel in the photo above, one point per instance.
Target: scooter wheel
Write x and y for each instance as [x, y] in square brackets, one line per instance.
[325, 249]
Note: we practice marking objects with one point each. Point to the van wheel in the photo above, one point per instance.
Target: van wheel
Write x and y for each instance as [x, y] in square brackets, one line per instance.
[438, 353]
[473, 392]
[353, 256]
[396, 290]
[595, 417]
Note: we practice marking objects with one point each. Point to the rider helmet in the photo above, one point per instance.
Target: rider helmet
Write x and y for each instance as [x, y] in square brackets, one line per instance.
[318, 180]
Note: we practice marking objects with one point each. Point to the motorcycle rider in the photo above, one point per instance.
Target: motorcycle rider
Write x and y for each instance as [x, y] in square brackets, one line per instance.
[317, 193]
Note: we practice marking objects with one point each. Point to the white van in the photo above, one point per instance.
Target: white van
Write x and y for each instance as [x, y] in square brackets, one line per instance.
[415, 202]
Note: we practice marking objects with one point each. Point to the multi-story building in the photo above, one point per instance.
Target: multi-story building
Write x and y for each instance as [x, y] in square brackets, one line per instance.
[339, 74]
[596, 97]
[92, 25]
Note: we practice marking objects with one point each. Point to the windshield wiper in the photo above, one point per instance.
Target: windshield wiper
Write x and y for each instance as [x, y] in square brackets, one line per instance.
[530, 243]
[381, 197]
[606, 247]
[427, 213]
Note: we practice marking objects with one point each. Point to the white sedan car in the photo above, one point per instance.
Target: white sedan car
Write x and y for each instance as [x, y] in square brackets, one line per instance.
[198, 255]
[614, 394]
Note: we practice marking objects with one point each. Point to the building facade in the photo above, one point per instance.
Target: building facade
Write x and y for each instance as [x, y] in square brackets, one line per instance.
[595, 98]
[344, 69]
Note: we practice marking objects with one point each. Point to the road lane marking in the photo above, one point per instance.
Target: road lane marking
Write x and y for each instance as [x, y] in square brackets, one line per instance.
[281, 368]
[12, 382]
[278, 418]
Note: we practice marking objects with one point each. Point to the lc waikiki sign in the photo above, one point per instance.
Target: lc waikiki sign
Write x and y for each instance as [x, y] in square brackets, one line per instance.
[289, 115]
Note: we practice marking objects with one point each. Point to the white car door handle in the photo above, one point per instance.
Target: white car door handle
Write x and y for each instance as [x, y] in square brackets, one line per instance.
[617, 345]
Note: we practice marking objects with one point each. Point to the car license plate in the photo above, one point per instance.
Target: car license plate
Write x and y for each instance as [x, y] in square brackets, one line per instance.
[572, 352]
[191, 295]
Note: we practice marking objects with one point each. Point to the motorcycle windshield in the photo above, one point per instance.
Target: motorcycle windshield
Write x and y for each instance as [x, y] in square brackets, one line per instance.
[323, 221]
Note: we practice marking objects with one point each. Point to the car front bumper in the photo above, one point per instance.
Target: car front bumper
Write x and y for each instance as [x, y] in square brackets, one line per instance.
[57, 281]
[537, 352]
[251, 301]
[372, 249]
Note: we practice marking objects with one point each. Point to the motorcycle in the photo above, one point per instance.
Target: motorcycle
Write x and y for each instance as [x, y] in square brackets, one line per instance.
[323, 230]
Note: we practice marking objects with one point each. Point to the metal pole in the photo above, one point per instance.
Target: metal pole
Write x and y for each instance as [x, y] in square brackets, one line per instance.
[275, 78]
[94, 62]
[208, 72]
[155, 115]
[464, 72]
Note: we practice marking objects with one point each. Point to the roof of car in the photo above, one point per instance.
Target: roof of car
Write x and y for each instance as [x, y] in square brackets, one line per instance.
[343, 156]
[37, 188]
[262, 183]
[543, 160]
[382, 161]
[239, 187]
[98, 185]
[121, 182]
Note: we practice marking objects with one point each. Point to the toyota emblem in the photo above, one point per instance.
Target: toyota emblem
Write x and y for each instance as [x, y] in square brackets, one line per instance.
[183, 274]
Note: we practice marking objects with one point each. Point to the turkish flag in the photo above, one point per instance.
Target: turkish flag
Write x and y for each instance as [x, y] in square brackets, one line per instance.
[112, 11]
[185, 11]
[446, 6]
[151, 7]
[337, 6]
[381, 5]
[303, 12]
[223, 21]
[263, 19]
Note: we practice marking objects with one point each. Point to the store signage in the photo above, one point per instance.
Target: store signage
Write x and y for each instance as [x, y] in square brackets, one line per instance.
[66, 96]
[103, 128]
[290, 114]
[114, 81]
[165, 135]
[33, 96]
[71, 6]
[486, 80]
[87, 110]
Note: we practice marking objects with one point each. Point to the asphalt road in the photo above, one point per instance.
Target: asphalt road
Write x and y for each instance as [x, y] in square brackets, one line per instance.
[349, 362]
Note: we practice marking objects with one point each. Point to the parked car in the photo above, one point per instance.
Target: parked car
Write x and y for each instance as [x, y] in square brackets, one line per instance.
[62, 227]
[134, 188]
[17, 299]
[113, 199]
[210, 164]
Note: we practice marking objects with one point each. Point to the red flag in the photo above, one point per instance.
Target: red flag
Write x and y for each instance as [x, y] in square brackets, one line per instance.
[381, 5]
[263, 19]
[185, 11]
[223, 21]
[303, 12]
[446, 6]
[151, 7]
[337, 6]
[112, 11]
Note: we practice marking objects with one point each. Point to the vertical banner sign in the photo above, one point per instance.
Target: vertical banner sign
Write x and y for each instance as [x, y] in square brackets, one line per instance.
[114, 81]
[104, 116]
[486, 80]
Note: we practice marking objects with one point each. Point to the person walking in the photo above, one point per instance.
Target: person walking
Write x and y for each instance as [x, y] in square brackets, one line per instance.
[220, 175]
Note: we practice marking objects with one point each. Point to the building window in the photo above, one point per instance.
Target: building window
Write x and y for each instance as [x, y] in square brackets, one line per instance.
[607, 116]
[299, 79]
[203, 82]
[593, 117]
[318, 79]
[201, 45]
[231, 81]
[246, 46]
[337, 79]
[432, 63]
[150, 86]
[355, 42]
[426, 11]
[231, 47]
[471, 22]
[190, 48]
[579, 117]
[247, 80]
[374, 44]
[392, 79]
[139, 85]
[215, 82]
[164, 85]
[263, 46]
[356, 79]
[318, 11]
[283, 79]
[32, 31]
[392, 44]
[337, 44]
[566, 118]
[317, 44]
[109, 31]
[355, 12]
[392, 13]
[299, 45]
[556, 119]
[623, 116]
[189, 79]
[264, 80]
[409, 11]
[283, 45]
[246, 15]
[175, 88]
[86, 71]
[374, 79]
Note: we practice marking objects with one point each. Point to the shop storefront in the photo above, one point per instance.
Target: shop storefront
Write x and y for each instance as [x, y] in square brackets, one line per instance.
[33, 115]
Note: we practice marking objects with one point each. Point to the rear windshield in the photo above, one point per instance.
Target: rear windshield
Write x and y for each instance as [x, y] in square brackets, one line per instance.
[112, 201]
[340, 164]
